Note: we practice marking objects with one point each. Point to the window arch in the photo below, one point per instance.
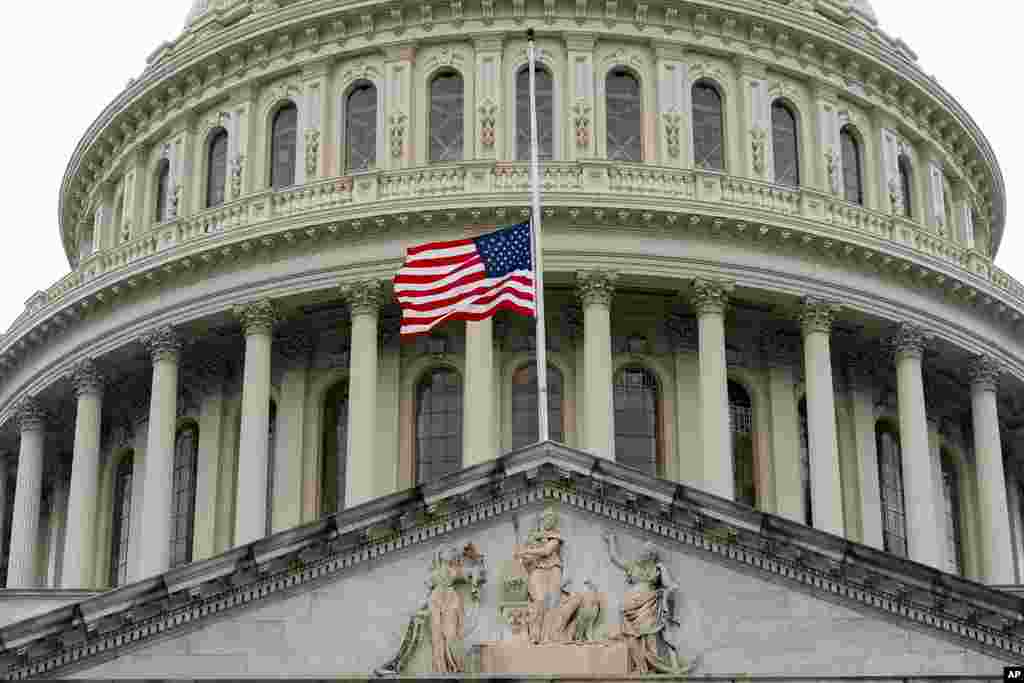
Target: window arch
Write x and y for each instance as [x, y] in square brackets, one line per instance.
[951, 514]
[525, 427]
[636, 399]
[163, 191]
[741, 428]
[708, 127]
[805, 462]
[183, 491]
[624, 114]
[447, 104]
[121, 523]
[361, 127]
[216, 168]
[335, 449]
[785, 144]
[890, 481]
[438, 424]
[906, 171]
[284, 148]
[853, 181]
[545, 113]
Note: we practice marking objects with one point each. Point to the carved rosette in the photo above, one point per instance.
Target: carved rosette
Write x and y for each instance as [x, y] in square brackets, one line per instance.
[984, 372]
[363, 298]
[163, 343]
[909, 341]
[816, 315]
[711, 296]
[30, 414]
[87, 379]
[257, 317]
[595, 287]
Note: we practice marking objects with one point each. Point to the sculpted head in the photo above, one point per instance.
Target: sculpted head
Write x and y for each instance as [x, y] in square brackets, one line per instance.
[649, 552]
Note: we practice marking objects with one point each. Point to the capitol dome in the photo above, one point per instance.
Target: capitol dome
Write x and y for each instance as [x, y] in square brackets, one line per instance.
[778, 349]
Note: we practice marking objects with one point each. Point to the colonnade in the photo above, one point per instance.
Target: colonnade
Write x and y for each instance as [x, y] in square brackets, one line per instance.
[595, 289]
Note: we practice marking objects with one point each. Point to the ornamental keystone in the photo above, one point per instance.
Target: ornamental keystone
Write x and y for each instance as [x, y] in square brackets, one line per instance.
[162, 343]
[257, 317]
[87, 378]
[363, 298]
[596, 287]
[711, 296]
[30, 414]
[984, 372]
[909, 340]
[816, 315]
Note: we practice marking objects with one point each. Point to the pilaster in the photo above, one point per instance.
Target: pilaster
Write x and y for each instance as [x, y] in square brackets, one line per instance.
[399, 106]
[755, 114]
[579, 119]
[361, 473]
[710, 298]
[491, 137]
[828, 166]
[312, 135]
[674, 124]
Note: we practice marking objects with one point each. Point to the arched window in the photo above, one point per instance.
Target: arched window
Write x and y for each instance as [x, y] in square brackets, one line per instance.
[805, 462]
[906, 184]
[785, 145]
[217, 168]
[335, 445]
[271, 464]
[951, 516]
[122, 520]
[525, 427]
[741, 428]
[545, 113]
[853, 185]
[635, 393]
[624, 115]
[708, 127]
[438, 424]
[284, 146]
[890, 481]
[183, 491]
[361, 127]
[947, 207]
[163, 191]
[446, 117]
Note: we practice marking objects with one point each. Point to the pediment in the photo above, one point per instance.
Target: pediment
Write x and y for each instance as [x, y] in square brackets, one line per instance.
[757, 594]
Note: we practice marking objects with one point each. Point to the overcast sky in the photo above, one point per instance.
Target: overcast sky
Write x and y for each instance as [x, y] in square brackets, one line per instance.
[65, 61]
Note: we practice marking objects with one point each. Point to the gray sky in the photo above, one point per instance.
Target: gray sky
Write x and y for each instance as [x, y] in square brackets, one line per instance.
[65, 61]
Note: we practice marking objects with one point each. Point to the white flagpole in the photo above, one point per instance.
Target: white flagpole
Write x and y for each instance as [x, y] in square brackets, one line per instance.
[538, 267]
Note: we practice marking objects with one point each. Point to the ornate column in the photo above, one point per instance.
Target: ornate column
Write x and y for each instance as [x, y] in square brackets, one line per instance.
[480, 443]
[710, 297]
[996, 542]
[79, 542]
[257, 318]
[21, 567]
[364, 299]
[919, 493]
[826, 490]
[595, 289]
[164, 347]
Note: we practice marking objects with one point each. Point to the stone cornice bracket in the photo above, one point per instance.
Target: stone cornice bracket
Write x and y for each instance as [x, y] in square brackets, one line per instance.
[257, 317]
[711, 296]
[163, 343]
[30, 415]
[909, 340]
[596, 287]
[817, 315]
[984, 372]
[363, 298]
[88, 379]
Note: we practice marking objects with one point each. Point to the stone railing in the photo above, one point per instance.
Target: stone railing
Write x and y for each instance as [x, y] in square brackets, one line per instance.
[565, 184]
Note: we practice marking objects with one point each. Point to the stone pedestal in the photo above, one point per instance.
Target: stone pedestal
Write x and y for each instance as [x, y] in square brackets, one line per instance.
[605, 658]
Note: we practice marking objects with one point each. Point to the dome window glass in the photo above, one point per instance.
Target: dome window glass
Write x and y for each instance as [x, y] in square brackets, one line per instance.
[361, 127]
[438, 425]
[446, 117]
[635, 397]
[853, 184]
[625, 116]
[163, 191]
[545, 114]
[217, 168]
[708, 128]
[785, 145]
[284, 146]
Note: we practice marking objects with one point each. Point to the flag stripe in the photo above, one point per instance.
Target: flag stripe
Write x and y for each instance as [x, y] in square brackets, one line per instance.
[483, 295]
[469, 289]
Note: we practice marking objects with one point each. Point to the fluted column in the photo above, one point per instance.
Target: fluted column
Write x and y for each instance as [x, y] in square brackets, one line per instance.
[996, 541]
[257, 320]
[361, 482]
[826, 490]
[710, 297]
[919, 491]
[21, 567]
[595, 289]
[155, 540]
[80, 537]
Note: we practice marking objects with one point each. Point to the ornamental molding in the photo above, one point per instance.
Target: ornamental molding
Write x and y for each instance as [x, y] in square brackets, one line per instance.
[87, 378]
[711, 296]
[445, 57]
[312, 153]
[984, 373]
[816, 315]
[363, 298]
[488, 111]
[30, 415]
[256, 317]
[360, 70]
[910, 341]
[163, 343]
[596, 287]
[673, 120]
[396, 133]
[581, 109]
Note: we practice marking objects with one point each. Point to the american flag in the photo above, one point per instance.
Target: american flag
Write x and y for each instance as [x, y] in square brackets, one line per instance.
[466, 279]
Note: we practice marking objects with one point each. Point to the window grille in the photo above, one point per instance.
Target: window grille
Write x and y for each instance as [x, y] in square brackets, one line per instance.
[447, 102]
[635, 394]
[217, 169]
[361, 127]
[853, 185]
[438, 425]
[785, 145]
[545, 114]
[122, 520]
[624, 110]
[708, 129]
[741, 428]
[163, 191]
[184, 495]
[890, 477]
[525, 427]
[284, 147]
[906, 171]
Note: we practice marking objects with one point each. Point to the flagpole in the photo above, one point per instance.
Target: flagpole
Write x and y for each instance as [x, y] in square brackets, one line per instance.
[538, 266]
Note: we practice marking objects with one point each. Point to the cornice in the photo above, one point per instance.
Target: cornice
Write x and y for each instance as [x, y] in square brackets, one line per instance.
[319, 30]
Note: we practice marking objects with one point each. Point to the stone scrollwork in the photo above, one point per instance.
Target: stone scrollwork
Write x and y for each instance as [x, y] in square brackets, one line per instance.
[984, 372]
[595, 287]
[257, 317]
[673, 120]
[488, 110]
[396, 133]
[163, 343]
[87, 378]
[363, 298]
[909, 340]
[816, 315]
[312, 153]
[711, 296]
[30, 415]
[758, 144]
[581, 122]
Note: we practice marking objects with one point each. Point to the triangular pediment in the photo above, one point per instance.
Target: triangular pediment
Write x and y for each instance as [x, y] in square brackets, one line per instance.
[758, 594]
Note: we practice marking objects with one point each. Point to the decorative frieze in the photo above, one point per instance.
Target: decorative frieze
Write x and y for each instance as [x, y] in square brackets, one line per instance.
[87, 378]
[30, 414]
[711, 296]
[363, 298]
[396, 133]
[488, 111]
[816, 315]
[312, 153]
[909, 340]
[984, 372]
[257, 317]
[163, 343]
[595, 287]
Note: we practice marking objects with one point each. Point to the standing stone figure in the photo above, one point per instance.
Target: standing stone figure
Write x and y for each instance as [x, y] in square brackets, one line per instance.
[541, 557]
[447, 607]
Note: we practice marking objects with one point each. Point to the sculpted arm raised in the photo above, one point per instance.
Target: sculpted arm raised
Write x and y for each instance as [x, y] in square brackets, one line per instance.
[616, 559]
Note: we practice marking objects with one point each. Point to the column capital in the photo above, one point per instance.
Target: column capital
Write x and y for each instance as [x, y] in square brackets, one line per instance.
[87, 378]
[983, 372]
[30, 414]
[711, 296]
[363, 298]
[163, 343]
[909, 340]
[596, 287]
[816, 314]
[257, 317]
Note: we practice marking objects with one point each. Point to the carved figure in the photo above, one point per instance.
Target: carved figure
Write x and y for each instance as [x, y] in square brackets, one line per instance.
[447, 608]
[647, 612]
[758, 142]
[541, 557]
[588, 613]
